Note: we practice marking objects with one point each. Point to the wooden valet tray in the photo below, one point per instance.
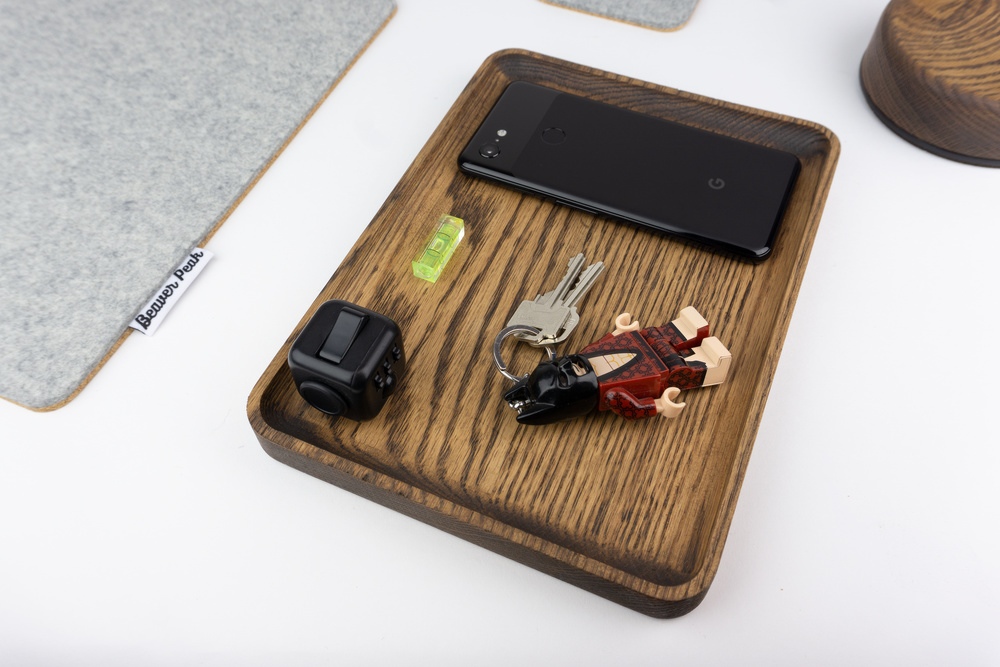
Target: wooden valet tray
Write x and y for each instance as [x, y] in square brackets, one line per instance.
[638, 511]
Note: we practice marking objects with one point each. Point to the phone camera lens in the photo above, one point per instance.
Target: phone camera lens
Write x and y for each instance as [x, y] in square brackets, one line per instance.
[489, 150]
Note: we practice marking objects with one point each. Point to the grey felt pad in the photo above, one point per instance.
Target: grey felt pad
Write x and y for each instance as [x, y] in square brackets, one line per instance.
[657, 14]
[127, 131]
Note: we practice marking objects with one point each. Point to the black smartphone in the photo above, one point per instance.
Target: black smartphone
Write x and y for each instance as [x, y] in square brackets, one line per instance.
[694, 184]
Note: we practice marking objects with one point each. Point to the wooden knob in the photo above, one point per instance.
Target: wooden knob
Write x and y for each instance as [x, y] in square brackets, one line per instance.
[932, 74]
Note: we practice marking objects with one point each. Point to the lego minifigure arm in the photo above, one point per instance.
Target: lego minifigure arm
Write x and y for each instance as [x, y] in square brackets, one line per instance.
[625, 405]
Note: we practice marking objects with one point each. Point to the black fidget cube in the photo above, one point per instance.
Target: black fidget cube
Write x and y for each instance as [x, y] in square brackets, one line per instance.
[348, 360]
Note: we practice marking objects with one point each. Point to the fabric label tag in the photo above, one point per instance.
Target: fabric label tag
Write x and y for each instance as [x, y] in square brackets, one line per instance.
[152, 314]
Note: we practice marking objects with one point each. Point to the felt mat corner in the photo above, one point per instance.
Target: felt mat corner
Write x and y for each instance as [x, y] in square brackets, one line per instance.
[654, 14]
[128, 131]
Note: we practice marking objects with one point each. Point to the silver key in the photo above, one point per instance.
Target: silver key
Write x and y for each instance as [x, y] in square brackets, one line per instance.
[554, 313]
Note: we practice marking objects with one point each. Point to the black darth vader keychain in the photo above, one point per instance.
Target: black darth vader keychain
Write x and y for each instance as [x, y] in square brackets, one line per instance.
[632, 371]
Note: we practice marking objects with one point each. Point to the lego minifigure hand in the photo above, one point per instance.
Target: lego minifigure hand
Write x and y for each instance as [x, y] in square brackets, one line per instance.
[665, 405]
[624, 323]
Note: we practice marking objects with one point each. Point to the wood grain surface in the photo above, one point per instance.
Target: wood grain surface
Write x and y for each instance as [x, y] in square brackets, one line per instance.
[635, 511]
[932, 74]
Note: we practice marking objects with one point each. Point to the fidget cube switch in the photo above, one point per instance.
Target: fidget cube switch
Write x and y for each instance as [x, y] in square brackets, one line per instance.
[348, 360]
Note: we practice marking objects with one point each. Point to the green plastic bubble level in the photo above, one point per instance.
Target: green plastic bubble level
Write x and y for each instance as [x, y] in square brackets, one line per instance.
[430, 262]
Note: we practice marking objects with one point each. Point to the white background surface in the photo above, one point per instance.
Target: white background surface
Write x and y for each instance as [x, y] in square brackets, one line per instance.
[143, 523]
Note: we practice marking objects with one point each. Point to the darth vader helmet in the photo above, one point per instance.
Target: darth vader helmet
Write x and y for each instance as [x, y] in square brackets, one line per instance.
[560, 389]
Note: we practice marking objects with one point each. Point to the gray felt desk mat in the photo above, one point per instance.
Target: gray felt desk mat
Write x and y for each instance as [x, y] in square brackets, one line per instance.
[128, 130]
[656, 14]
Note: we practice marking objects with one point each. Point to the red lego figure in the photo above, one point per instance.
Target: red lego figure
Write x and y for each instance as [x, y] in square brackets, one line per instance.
[632, 371]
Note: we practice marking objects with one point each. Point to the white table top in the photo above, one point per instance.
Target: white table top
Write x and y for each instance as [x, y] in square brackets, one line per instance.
[143, 524]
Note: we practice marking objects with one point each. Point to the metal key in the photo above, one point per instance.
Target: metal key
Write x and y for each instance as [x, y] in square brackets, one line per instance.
[554, 313]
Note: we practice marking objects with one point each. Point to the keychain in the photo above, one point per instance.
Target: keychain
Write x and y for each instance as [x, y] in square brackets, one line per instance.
[633, 372]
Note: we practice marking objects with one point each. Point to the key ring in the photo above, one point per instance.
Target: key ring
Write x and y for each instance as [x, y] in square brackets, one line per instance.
[510, 331]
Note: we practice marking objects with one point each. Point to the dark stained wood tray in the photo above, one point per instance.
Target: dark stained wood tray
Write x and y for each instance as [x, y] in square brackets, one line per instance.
[637, 512]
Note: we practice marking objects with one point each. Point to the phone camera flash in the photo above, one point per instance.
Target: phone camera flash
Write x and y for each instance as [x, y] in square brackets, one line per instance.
[501, 133]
